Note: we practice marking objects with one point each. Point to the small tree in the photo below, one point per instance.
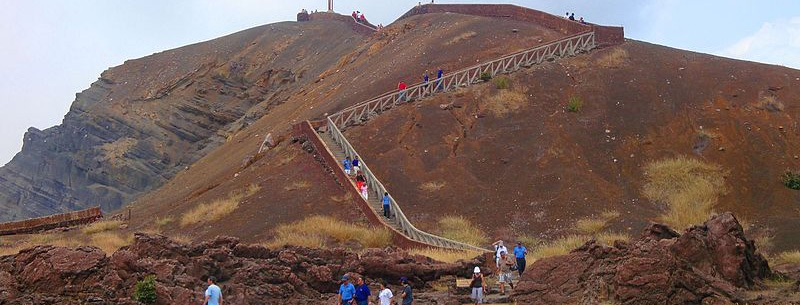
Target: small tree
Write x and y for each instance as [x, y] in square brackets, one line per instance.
[145, 290]
[575, 104]
[791, 180]
[486, 76]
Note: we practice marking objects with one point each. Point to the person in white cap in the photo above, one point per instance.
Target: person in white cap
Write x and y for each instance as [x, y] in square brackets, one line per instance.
[478, 286]
[498, 249]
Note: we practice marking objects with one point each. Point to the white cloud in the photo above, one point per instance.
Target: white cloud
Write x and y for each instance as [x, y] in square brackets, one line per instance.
[776, 42]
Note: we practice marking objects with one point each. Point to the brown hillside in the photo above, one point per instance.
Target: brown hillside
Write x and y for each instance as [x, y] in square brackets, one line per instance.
[517, 163]
[451, 41]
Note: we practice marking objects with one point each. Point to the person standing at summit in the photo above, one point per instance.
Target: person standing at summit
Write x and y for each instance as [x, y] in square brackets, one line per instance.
[213, 292]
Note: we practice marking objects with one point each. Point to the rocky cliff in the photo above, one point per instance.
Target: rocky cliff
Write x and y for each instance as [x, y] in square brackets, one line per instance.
[145, 120]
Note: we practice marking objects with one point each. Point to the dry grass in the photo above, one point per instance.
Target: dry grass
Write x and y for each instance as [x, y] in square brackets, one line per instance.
[163, 221]
[101, 226]
[444, 255]
[529, 240]
[298, 185]
[608, 238]
[461, 229]
[617, 57]
[770, 103]
[213, 211]
[314, 232]
[180, 238]
[689, 187]
[595, 224]
[462, 37]
[559, 246]
[110, 242]
[505, 102]
[789, 257]
[252, 189]
[432, 186]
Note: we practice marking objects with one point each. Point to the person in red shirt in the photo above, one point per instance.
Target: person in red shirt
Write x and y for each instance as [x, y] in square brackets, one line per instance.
[355, 16]
[402, 88]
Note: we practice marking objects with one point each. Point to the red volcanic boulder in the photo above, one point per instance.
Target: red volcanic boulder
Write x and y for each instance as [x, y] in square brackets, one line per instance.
[710, 263]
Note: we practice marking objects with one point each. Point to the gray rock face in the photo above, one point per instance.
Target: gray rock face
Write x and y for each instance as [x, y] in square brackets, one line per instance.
[146, 119]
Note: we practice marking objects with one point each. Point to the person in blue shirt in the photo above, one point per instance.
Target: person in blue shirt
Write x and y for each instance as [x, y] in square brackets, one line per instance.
[356, 165]
[346, 291]
[213, 293]
[519, 252]
[362, 292]
[386, 202]
[439, 79]
[346, 163]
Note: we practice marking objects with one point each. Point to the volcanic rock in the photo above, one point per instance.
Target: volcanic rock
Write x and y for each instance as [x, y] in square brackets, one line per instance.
[707, 264]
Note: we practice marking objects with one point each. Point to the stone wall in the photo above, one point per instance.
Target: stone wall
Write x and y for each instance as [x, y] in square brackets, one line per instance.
[34, 225]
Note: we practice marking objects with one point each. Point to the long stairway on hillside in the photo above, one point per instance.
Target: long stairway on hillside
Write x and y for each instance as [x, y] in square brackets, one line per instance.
[340, 147]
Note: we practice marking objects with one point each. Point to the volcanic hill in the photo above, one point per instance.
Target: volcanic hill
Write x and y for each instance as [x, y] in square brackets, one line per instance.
[183, 127]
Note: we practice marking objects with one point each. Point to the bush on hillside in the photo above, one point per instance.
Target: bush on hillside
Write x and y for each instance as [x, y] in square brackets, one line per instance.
[791, 180]
[501, 82]
[145, 290]
[575, 104]
[486, 76]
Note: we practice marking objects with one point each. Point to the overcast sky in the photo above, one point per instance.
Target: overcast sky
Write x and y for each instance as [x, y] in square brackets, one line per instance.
[50, 50]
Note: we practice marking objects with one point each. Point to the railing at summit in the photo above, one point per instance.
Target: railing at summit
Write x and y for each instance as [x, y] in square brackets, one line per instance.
[565, 47]
[363, 111]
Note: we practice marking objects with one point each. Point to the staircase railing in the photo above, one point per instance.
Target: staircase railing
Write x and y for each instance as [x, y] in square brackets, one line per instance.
[399, 218]
[364, 111]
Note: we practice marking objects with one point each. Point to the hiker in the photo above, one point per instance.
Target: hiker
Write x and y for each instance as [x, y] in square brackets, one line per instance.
[572, 16]
[498, 249]
[425, 79]
[582, 22]
[362, 292]
[386, 202]
[439, 80]
[364, 191]
[478, 285]
[407, 294]
[385, 296]
[346, 163]
[355, 16]
[506, 264]
[519, 253]
[401, 86]
[356, 164]
[213, 293]
[346, 291]
[363, 19]
[359, 180]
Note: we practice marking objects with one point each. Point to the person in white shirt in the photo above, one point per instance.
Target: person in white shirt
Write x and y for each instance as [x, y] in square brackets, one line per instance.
[385, 296]
[498, 249]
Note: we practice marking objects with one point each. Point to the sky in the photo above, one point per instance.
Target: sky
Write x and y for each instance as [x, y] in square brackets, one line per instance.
[52, 49]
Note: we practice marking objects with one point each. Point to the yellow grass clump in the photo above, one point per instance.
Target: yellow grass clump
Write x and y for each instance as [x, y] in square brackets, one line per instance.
[298, 185]
[608, 238]
[110, 242]
[789, 257]
[163, 221]
[101, 226]
[444, 255]
[461, 229]
[314, 232]
[432, 186]
[505, 102]
[461, 37]
[559, 246]
[212, 211]
[689, 187]
[593, 225]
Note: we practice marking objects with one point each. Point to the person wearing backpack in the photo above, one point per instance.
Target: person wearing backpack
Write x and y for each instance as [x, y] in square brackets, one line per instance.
[478, 285]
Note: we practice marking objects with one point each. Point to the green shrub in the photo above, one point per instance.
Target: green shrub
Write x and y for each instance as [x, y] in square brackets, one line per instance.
[575, 104]
[791, 180]
[486, 76]
[501, 82]
[145, 290]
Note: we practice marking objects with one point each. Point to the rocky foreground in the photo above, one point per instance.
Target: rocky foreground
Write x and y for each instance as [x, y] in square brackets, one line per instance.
[710, 264]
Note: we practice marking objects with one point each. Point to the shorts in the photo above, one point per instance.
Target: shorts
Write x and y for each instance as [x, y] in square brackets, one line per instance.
[505, 277]
[477, 295]
[347, 171]
[356, 169]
